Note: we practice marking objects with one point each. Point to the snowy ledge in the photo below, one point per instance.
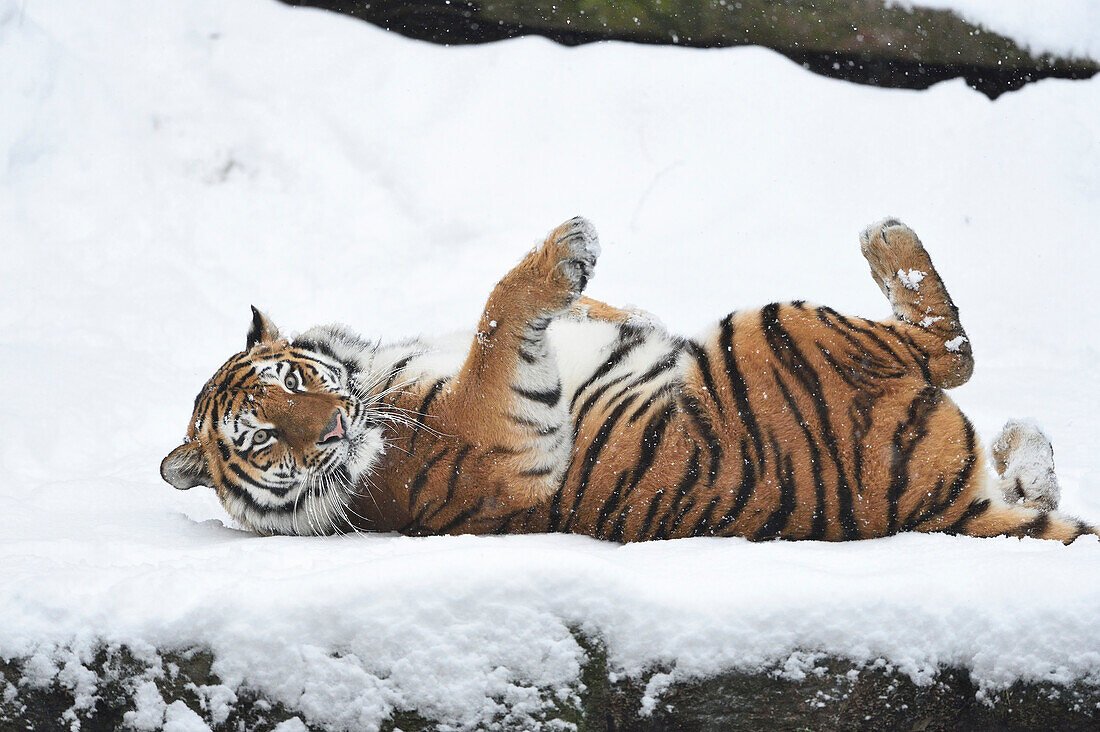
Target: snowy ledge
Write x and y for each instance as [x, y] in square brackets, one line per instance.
[468, 632]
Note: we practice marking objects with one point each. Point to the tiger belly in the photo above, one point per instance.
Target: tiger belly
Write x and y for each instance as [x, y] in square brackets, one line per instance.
[779, 423]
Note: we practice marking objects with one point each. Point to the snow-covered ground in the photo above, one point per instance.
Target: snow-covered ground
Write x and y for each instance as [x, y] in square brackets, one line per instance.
[163, 165]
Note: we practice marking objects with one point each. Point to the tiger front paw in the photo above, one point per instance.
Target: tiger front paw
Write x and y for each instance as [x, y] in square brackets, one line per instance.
[574, 248]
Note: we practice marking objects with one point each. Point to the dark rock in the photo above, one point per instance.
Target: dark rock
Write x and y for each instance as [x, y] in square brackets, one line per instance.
[835, 695]
[864, 41]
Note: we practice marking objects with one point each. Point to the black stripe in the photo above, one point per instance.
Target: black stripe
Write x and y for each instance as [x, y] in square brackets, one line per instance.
[680, 517]
[396, 369]
[647, 522]
[691, 477]
[859, 415]
[1034, 528]
[848, 325]
[779, 518]
[629, 339]
[421, 477]
[505, 450]
[224, 450]
[865, 361]
[236, 380]
[243, 495]
[506, 520]
[907, 437]
[657, 395]
[592, 455]
[739, 388]
[422, 412]
[702, 361]
[663, 364]
[593, 398]
[652, 436]
[960, 482]
[693, 409]
[791, 357]
[549, 397]
[817, 529]
[702, 526]
[452, 486]
[848, 374]
[540, 429]
[918, 355]
[538, 472]
[280, 492]
[610, 504]
[318, 347]
[553, 523]
[744, 489]
[463, 516]
[976, 508]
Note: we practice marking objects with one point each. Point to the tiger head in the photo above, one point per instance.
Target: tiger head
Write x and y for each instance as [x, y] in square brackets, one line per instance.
[281, 432]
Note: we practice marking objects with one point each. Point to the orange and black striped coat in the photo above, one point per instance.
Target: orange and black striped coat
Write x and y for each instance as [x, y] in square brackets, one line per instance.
[566, 415]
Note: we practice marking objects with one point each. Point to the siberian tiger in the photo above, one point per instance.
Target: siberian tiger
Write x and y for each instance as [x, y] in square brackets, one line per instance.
[563, 414]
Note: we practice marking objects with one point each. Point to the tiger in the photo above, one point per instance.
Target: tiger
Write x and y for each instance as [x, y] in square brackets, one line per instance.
[562, 414]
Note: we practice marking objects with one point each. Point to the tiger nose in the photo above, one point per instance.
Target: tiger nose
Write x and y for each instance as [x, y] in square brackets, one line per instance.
[334, 430]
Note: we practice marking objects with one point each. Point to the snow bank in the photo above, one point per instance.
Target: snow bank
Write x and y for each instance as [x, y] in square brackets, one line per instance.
[163, 165]
[1065, 27]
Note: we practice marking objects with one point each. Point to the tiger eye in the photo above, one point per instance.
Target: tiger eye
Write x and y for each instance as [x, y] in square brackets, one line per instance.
[291, 382]
[259, 437]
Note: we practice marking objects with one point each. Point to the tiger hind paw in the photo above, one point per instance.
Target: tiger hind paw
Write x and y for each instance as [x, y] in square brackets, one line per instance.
[1024, 458]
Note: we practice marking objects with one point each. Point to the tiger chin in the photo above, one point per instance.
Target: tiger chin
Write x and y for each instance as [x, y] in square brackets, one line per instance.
[564, 414]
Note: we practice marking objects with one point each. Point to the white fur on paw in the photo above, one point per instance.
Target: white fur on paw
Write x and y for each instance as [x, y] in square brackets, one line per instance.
[583, 246]
[1024, 457]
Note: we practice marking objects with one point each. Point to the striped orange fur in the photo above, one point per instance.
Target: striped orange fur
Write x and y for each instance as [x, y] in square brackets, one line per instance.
[563, 414]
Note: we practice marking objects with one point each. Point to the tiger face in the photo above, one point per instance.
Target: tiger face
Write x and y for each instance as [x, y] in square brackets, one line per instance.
[281, 433]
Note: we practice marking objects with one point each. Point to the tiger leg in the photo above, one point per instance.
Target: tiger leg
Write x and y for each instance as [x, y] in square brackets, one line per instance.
[924, 314]
[1020, 500]
[587, 308]
[507, 398]
[993, 517]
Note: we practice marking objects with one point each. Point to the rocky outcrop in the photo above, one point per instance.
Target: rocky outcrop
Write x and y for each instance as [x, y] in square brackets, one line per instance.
[865, 41]
[832, 695]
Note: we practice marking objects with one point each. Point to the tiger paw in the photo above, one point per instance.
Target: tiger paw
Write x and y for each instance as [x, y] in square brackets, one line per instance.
[1024, 458]
[897, 258]
[575, 247]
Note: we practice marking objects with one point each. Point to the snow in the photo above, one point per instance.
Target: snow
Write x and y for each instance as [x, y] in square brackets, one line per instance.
[178, 717]
[911, 279]
[164, 165]
[1065, 27]
[955, 343]
[150, 710]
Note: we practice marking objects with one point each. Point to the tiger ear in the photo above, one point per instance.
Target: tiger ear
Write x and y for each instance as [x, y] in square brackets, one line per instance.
[185, 467]
[262, 330]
